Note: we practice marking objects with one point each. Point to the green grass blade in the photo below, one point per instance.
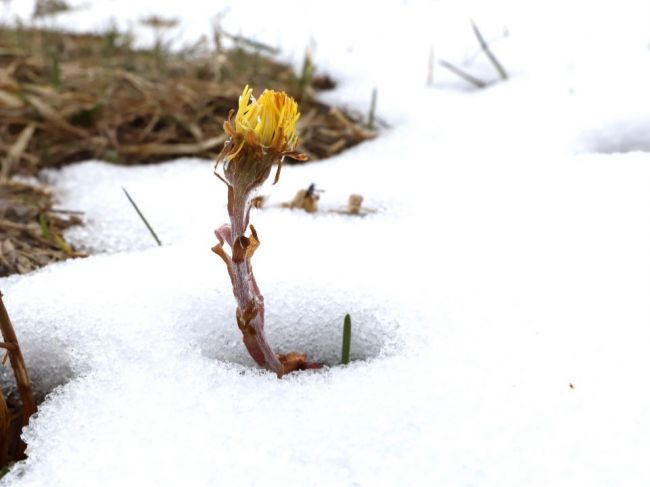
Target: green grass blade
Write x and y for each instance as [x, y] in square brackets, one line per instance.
[135, 207]
[55, 77]
[45, 229]
[347, 339]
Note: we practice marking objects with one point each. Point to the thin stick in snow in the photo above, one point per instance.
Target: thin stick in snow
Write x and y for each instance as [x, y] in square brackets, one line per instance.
[373, 107]
[462, 74]
[430, 65]
[486, 49]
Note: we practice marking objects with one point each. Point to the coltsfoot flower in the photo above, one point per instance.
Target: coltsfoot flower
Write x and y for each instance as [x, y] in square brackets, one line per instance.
[267, 124]
[261, 133]
[272, 119]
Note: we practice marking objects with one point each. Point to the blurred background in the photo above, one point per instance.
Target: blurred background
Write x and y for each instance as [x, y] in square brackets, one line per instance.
[138, 82]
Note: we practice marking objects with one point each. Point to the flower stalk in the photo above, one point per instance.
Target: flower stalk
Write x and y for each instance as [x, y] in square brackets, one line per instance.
[13, 351]
[261, 133]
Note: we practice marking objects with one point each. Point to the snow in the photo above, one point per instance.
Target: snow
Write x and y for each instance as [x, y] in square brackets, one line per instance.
[508, 260]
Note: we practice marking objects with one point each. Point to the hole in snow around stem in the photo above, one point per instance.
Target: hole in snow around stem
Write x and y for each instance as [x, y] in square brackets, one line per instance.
[302, 320]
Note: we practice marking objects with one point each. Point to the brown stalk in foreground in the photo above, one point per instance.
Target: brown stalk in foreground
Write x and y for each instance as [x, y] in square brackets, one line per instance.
[262, 133]
[5, 423]
[18, 365]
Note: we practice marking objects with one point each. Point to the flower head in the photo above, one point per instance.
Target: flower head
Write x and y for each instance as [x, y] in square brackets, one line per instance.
[262, 133]
[270, 121]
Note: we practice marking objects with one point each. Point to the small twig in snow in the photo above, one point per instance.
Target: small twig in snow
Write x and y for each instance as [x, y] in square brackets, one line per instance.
[486, 49]
[430, 65]
[247, 41]
[459, 72]
[371, 113]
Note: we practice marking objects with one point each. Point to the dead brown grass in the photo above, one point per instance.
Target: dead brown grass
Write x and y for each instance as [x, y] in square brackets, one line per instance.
[66, 98]
[31, 229]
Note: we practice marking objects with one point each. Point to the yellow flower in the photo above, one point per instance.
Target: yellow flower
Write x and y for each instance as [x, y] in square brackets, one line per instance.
[262, 133]
[269, 121]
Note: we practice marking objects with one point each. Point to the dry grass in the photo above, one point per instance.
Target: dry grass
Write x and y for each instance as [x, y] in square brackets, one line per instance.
[66, 98]
[30, 229]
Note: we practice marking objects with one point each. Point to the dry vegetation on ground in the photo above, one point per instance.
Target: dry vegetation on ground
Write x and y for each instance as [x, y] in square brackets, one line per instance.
[66, 98]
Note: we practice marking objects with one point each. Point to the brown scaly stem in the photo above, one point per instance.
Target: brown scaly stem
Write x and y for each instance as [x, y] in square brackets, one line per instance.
[250, 302]
[18, 366]
[261, 134]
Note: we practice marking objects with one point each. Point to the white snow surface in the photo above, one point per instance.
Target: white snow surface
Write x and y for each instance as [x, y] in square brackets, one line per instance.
[500, 295]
